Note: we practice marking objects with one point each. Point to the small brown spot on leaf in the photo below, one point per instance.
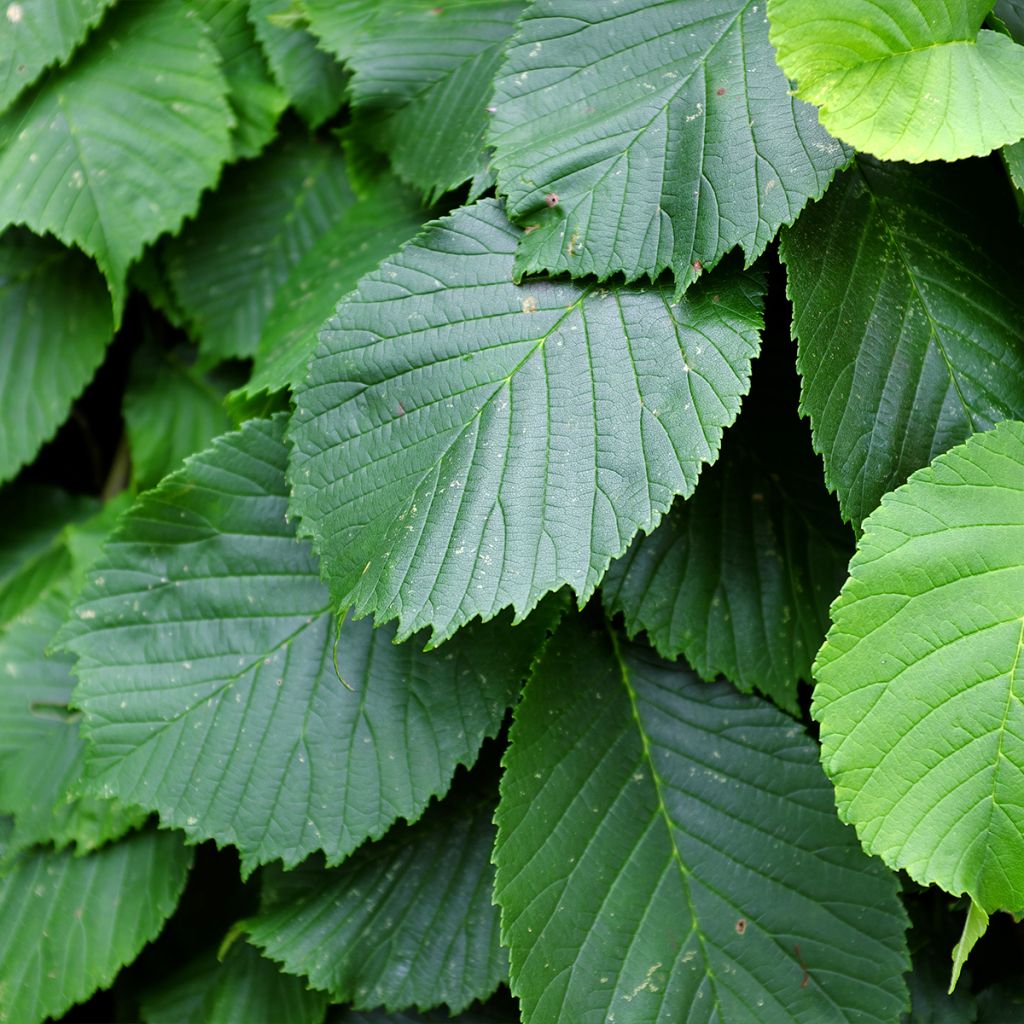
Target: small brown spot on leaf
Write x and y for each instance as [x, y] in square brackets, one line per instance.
[551, 199]
[529, 304]
[720, 91]
[741, 926]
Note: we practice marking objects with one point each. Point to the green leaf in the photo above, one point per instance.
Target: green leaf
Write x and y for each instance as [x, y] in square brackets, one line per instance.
[315, 84]
[482, 1015]
[56, 326]
[919, 683]
[209, 681]
[407, 921]
[227, 265]
[38, 34]
[421, 505]
[353, 245]
[907, 310]
[256, 100]
[68, 924]
[422, 75]
[664, 133]
[668, 849]
[116, 148]
[178, 997]
[975, 926]
[171, 410]
[904, 79]
[341, 27]
[739, 577]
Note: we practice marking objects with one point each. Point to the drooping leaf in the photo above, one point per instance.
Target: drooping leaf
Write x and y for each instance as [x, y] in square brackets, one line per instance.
[68, 924]
[663, 133]
[907, 310]
[904, 79]
[462, 444]
[171, 410]
[56, 326]
[227, 266]
[209, 667]
[75, 158]
[668, 850]
[38, 33]
[315, 84]
[918, 685]
[975, 926]
[353, 245]
[407, 921]
[422, 75]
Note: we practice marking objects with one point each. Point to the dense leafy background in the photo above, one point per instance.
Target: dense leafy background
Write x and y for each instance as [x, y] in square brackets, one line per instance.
[512, 511]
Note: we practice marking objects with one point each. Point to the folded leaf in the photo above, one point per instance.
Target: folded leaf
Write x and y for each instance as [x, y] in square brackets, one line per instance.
[462, 444]
[919, 683]
[632, 137]
[668, 850]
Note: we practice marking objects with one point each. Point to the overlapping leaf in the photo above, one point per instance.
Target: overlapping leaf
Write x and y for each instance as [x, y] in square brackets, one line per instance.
[919, 685]
[907, 310]
[663, 134]
[68, 924]
[904, 79]
[406, 922]
[209, 667]
[227, 266]
[668, 849]
[116, 148]
[462, 444]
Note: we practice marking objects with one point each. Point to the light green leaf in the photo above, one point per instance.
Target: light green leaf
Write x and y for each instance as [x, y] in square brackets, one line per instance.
[405, 922]
[341, 27]
[38, 33]
[76, 160]
[739, 577]
[462, 444]
[352, 246]
[422, 75]
[975, 926]
[919, 683]
[56, 326]
[904, 79]
[668, 850]
[227, 265]
[171, 410]
[663, 133]
[907, 310]
[68, 924]
[315, 84]
[209, 682]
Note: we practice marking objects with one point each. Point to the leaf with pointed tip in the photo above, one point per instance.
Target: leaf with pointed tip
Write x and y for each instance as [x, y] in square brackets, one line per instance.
[57, 324]
[462, 444]
[115, 149]
[209, 661]
[919, 682]
[907, 310]
[38, 34]
[668, 849]
[75, 921]
[664, 131]
[975, 926]
[407, 921]
[226, 267]
[904, 79]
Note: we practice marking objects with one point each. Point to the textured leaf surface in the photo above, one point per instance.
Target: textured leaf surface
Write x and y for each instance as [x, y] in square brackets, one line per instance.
[208, 678]
[904, 79]
[115, 149]
[422, 75]
[315, 84]
[352, 246]
[919, 684]
[463, 444]
[665, 130]
[56, 326]
[668, 849]
[226, 267]
[38, 33]
[907, 310]
[405, 922]
[75, 921]
[739, 577]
